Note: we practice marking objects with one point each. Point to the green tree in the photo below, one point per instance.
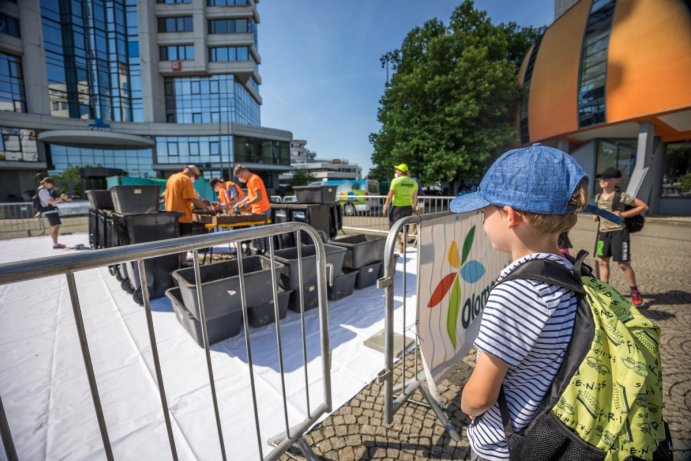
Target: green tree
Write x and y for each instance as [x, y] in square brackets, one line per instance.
[447, 111]
[70, 181]
[300, 178]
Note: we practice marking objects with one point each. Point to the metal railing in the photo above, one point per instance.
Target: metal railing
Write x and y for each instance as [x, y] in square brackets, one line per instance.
[402, 382]
[366, 214]
[68, 264]
[21, 217]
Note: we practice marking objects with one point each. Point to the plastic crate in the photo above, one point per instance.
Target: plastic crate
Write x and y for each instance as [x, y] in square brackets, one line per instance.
[218, 328]
[129, 200]
[263, 314]
[343, 286]
[363, 249]
[100, 199]
[220, 285]
[316, 194]
[368, 275]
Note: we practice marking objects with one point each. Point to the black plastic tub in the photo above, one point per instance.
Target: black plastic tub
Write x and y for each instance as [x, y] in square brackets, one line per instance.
[218, 328]
[315, 194]
[135, 199]
[100, 199]
[289, 257]
[367, 276]
[220, 284]
[343, 285]
[363, 249]
[311, 298]
[263, 314]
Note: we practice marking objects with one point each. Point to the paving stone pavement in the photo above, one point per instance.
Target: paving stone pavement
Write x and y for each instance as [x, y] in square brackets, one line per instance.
[662, 260]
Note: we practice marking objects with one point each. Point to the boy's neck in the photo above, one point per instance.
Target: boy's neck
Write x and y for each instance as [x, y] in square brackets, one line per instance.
[528, 243]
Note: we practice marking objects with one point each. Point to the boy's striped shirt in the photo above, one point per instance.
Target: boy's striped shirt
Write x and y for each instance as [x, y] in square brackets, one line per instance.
[528, 325]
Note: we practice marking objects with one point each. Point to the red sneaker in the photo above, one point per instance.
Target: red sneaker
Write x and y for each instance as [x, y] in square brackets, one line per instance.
[636, 299]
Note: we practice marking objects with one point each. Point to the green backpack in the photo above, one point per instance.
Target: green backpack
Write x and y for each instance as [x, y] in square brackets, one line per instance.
[606, 400]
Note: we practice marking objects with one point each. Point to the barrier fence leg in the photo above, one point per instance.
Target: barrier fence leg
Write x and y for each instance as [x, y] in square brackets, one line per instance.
[306, 450]
[450, 428]
[6, 435]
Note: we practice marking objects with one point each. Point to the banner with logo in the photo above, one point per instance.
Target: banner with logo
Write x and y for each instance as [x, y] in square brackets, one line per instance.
[457, 269]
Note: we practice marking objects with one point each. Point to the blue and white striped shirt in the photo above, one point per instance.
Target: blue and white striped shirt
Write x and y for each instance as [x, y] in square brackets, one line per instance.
[528, 325]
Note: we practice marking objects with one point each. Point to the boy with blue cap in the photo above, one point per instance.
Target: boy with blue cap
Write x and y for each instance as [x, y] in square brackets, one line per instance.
[528, 197]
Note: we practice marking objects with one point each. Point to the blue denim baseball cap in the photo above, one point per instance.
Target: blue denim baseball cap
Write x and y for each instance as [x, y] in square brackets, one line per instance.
[534, 179]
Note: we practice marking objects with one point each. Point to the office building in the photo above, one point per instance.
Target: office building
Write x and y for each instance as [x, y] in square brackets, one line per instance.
[133, 86]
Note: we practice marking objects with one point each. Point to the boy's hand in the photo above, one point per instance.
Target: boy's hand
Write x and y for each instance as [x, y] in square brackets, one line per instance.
[596, 218]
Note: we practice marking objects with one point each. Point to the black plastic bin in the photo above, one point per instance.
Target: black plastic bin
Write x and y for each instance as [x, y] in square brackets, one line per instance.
[325, 218]
[100, 199]
[290, 276]
[218, 328]
[218, 279]
[129, 200]
[315, 194]
[368, 275]
[343, 285]
[263, 314]
[94, 234]
[363, 249]
[281, 214]
[130, 229]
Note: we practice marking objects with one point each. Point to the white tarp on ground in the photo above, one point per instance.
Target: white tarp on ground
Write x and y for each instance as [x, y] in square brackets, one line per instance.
[45, 391]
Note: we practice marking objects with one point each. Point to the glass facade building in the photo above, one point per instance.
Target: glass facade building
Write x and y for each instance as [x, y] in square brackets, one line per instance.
[172, 96]
[138, 162]
[213, 99]
[12, 97]
[92, 59]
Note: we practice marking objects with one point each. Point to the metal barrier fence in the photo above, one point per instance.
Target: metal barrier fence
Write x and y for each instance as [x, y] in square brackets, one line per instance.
[400, 384]
[21, 217]
[367, 215]
[68, 264]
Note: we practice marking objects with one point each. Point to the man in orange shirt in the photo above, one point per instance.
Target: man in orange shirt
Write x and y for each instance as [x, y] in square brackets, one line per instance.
[256, 199]
[180, 196]
[228, 192]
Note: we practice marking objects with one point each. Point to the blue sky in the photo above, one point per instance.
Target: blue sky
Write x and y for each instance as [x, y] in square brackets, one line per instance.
[321, 76]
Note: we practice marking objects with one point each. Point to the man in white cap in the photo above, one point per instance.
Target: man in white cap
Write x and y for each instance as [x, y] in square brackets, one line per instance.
[180, 196]
[402, 196]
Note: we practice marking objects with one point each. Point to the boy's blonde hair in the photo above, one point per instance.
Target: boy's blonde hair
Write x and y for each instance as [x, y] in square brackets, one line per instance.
[558, 223]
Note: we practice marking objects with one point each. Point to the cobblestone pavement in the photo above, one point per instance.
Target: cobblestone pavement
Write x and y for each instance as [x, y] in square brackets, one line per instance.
[662, 261]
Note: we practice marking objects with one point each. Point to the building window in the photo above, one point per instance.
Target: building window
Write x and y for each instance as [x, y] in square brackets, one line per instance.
[593, 71]
[676, 178]
[175, 24]
[524, 127]
[12, 97]
[212, 150]
[214, 99]
[617, 153]
[136, 162]
[226, 2]
[231, 26]
[229, 54]
[252, 150]
[18, 145]
[173, 2]
[176, 52]
[9, 25]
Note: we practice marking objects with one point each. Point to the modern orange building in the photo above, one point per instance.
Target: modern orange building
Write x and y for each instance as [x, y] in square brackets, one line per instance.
[610, 82]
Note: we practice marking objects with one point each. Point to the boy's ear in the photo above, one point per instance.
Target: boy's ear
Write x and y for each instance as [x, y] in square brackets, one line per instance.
[515, 217]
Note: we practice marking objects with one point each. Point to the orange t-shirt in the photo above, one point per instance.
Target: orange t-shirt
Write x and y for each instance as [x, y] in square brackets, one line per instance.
[179, 191]
[255, 185]
[224, 196]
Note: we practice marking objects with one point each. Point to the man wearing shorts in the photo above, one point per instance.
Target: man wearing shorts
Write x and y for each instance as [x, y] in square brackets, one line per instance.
[613, 239]
[402, 196]
[49, 210]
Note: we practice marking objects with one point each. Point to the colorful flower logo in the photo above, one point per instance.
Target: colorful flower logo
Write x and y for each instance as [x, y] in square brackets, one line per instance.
[471, 271]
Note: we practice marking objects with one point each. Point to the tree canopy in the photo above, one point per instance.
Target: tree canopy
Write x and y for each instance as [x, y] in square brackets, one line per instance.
[448, 108]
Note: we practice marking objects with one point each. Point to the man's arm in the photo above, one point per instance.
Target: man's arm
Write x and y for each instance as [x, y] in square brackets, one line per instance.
[387, 202]
[415, 201]
[482, 389]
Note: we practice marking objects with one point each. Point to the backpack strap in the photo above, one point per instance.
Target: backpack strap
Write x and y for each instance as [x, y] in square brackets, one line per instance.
[548, 271]
[616, 201]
